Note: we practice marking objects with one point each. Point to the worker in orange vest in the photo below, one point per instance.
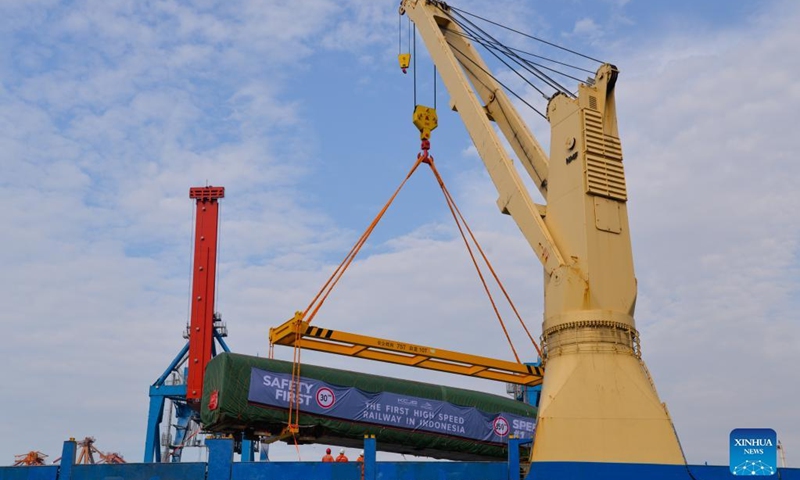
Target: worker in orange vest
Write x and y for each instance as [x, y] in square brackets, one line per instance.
[327, 457]
[360, 461]
[342, 457]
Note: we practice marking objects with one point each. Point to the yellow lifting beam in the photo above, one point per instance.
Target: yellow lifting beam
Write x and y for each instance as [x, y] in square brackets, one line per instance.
[412, 355]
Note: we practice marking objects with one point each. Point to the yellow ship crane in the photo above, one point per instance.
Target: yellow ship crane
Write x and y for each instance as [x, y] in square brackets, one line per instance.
[598, 402]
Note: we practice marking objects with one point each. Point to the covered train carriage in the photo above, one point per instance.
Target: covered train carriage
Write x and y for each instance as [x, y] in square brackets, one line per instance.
[251, 395]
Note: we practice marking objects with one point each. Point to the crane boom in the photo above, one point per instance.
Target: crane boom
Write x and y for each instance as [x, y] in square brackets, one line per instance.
[514, 198]
[598, 402]
[498, 107]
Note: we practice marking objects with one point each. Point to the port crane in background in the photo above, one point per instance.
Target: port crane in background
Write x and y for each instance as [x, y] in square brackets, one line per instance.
[87, 451]
[598, 401]
[33, 458]
[182, 381]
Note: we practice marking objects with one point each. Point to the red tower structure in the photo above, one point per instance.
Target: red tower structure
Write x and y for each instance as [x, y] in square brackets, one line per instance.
[182, 381]
[201, 328]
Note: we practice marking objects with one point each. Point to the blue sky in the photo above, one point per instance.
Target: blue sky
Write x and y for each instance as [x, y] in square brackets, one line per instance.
[110, 111]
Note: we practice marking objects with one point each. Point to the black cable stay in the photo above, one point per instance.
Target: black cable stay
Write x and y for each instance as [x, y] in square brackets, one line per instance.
[534, 74]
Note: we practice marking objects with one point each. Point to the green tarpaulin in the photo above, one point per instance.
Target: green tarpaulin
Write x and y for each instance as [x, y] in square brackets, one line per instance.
[228, 376]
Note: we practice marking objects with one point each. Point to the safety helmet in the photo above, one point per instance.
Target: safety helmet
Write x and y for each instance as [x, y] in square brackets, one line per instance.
[341, 451]
[328, 451]
[362, 453]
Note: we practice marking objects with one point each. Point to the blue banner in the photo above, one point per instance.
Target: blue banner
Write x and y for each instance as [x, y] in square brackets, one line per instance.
[389, 409]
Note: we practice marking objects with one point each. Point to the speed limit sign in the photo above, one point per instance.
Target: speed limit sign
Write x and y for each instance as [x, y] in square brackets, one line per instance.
[325, 397]
[500, 426]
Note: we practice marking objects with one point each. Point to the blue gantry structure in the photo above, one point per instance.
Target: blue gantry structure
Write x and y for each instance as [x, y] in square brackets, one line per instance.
[161, 391]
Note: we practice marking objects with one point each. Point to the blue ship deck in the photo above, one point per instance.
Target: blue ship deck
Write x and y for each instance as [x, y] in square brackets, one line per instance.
[220, 466]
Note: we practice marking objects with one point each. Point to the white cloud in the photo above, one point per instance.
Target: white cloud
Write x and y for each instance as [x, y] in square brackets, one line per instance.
[586, 27]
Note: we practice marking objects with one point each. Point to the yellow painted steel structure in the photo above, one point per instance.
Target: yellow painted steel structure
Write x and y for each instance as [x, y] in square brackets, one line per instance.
[598, 402]
[391, 351]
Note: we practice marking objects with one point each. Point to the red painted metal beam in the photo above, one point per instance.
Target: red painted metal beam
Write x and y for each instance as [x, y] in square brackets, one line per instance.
[201, 328]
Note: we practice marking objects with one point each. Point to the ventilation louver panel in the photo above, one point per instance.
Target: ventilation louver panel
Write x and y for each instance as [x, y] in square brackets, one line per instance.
[605, 175]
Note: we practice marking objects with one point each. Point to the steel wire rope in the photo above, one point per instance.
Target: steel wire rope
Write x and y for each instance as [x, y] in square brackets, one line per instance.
[487, 45]
[409, 33]
[525, 64]
[414, 54]
[512, 92]
[464, 12]
[399, 34]
[575, 67]
[485, 37]
[525, 52]
[459, 219]
[506, 64]
[499, 105]
[434, 86]
[491, 88]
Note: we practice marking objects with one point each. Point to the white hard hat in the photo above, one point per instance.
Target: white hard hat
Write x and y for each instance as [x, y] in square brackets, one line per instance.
[341, 451]
[362, 453]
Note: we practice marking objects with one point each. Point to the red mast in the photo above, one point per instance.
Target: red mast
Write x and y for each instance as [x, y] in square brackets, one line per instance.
[201, 328]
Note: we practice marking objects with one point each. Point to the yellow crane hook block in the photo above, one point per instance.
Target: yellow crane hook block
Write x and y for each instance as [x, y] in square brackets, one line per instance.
[425, 120]
[405, 60]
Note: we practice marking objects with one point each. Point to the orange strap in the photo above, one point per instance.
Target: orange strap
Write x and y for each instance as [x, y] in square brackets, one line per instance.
[326, 289]
[337, 274]
[454, 210]
[313, 307]
[294, 387]
[322, 295]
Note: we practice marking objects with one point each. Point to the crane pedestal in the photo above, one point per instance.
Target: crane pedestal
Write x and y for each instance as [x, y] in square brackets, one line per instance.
[598, 402]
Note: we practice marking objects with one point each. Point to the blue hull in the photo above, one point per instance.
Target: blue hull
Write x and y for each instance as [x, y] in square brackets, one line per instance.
[221, 467]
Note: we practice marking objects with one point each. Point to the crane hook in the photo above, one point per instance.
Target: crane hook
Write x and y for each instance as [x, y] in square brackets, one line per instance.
[405, 60]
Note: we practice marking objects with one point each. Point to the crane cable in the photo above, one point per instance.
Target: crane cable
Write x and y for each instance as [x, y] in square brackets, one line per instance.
[311, 311]
[464, 12]
[476, 31]
[413, 46]
[487, 44]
